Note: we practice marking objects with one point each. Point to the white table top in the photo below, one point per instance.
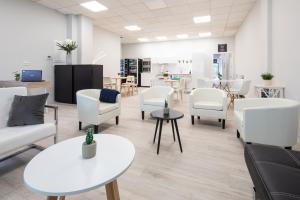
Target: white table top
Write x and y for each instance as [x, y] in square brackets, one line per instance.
[60, 170]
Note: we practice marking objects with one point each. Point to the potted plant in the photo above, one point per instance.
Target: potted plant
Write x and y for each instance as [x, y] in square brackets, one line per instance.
[267, 77]
[89, 147]
[165, 74]
[17, 75]
[68, 46]
[166, 108]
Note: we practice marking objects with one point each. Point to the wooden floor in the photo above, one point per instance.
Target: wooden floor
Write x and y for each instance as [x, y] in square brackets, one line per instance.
[211, 166]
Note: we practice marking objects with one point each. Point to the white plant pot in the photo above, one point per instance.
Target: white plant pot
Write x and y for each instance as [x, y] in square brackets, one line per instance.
[268, 82]
[69, 59]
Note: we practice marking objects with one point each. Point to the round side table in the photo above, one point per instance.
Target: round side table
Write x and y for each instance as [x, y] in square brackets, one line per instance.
[160, 118]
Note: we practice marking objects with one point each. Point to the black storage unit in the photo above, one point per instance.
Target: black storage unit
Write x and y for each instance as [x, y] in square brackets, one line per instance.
[71, 78]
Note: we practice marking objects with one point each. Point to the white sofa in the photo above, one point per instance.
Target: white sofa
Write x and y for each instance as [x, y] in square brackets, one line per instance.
[208, 102]
[92, 111]
[15, 138]
[154, 98]
[270, 121]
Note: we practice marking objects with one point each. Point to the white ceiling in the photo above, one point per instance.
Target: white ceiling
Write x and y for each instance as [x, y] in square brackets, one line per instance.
[175, 18]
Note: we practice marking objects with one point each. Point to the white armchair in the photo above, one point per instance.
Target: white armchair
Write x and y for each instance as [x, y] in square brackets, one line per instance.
[208, 102]
[154, 98]
[92, 111]
[270, 121]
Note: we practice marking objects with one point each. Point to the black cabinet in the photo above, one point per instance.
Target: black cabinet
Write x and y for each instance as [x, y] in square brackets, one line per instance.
[71, 78]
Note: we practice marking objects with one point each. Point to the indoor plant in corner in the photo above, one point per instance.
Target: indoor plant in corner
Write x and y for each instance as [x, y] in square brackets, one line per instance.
[68, 46]
[89, 147]
[267, 77]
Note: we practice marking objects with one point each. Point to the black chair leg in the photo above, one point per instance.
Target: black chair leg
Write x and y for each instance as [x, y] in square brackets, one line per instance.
[223, 124]
[96, 128]
[198, 117]
[117, 120]
[238, 134]
[80, 126]
[220, 120]
[288, 148]
[143, 115]
[193, 119]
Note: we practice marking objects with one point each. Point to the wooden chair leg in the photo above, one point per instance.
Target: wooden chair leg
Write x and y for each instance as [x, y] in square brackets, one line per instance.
[112, 191]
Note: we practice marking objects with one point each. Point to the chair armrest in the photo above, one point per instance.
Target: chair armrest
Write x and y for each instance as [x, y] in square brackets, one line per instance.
[55, 108]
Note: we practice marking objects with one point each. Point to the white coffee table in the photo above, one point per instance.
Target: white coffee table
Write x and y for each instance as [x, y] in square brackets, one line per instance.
[60, 170]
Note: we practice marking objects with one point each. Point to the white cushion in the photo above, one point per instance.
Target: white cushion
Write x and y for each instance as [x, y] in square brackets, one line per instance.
[208, 105]
[107, 107]
[12, 138]
[155, 101]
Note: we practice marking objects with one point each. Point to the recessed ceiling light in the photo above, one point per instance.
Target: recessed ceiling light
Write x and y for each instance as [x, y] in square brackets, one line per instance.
[133, 28]
[182, 36]
[207, 34]
[202, 19]
[94, 6]
[161, 38]
[143, 39]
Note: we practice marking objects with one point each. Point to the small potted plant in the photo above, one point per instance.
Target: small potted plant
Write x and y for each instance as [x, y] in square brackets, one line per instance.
[17, 75]
[89, 147]
[267, 77]
[166, 108]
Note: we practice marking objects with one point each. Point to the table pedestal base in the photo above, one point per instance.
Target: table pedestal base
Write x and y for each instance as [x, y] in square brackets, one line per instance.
[112, 192]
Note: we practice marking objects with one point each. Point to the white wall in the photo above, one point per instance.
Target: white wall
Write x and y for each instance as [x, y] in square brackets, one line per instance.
[107, 51]
[28, 31]
[251, 45]
[286, 42]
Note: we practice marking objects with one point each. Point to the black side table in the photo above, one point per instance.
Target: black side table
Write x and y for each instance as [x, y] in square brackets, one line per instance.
[160, 117]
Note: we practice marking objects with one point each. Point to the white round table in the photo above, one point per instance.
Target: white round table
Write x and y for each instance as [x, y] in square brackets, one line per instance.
[60, 170]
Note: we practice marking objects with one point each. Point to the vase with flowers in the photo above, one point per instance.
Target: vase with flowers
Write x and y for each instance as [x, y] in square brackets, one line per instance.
[68, 46]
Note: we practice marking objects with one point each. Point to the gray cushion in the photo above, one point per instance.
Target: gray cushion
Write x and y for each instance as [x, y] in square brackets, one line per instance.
[27, 110]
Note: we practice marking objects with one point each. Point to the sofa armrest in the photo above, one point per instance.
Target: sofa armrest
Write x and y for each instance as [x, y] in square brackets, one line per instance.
[55, 108]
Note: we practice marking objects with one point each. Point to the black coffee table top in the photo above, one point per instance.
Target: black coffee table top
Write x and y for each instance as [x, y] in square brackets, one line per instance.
[159, 114]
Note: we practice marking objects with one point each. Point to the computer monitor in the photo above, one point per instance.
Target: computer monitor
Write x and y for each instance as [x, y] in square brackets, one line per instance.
[31, 76]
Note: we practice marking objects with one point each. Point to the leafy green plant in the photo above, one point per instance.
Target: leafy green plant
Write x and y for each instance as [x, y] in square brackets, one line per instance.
[165, 74]
[17, 75]
[89, 136]
[166, 104]
[267, 76]
[67, 46]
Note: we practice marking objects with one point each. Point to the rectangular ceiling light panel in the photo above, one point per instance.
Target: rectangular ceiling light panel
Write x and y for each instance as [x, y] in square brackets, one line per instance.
[202, 19]
[133, 28]
[94, 6]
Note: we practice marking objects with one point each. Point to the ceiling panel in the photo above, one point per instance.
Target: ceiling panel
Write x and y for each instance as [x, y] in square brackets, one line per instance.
[161, 17]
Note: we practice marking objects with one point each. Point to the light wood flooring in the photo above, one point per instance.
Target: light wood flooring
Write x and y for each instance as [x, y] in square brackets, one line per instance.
[211, 166]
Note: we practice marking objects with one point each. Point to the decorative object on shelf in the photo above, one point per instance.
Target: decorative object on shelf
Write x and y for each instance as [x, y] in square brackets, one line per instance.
[267, 77]
[89, 147]
[68, 46]
[17, 75]
[165, 74]
[166, 109]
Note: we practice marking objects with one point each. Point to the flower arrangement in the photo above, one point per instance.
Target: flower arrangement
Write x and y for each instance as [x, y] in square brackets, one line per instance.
[68, 45]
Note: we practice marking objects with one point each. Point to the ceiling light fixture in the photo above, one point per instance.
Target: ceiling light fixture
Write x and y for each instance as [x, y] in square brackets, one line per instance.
[207, 34]
[94, 6]
[202, 19]
[161, 38]
[132, 28]
[143, 39]
[182, 36]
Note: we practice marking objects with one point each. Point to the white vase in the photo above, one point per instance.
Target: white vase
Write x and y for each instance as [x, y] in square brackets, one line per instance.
[268, 82]
[69, 59]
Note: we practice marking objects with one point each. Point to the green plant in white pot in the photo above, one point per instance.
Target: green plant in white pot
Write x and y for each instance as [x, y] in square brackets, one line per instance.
[166, 108]
[267, 77]
[89, 147]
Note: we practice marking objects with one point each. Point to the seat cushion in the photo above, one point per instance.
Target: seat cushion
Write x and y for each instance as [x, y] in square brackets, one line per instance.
[275, 171]
[155, 102]
[107, 107]
[208, 105]
[12, 138]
